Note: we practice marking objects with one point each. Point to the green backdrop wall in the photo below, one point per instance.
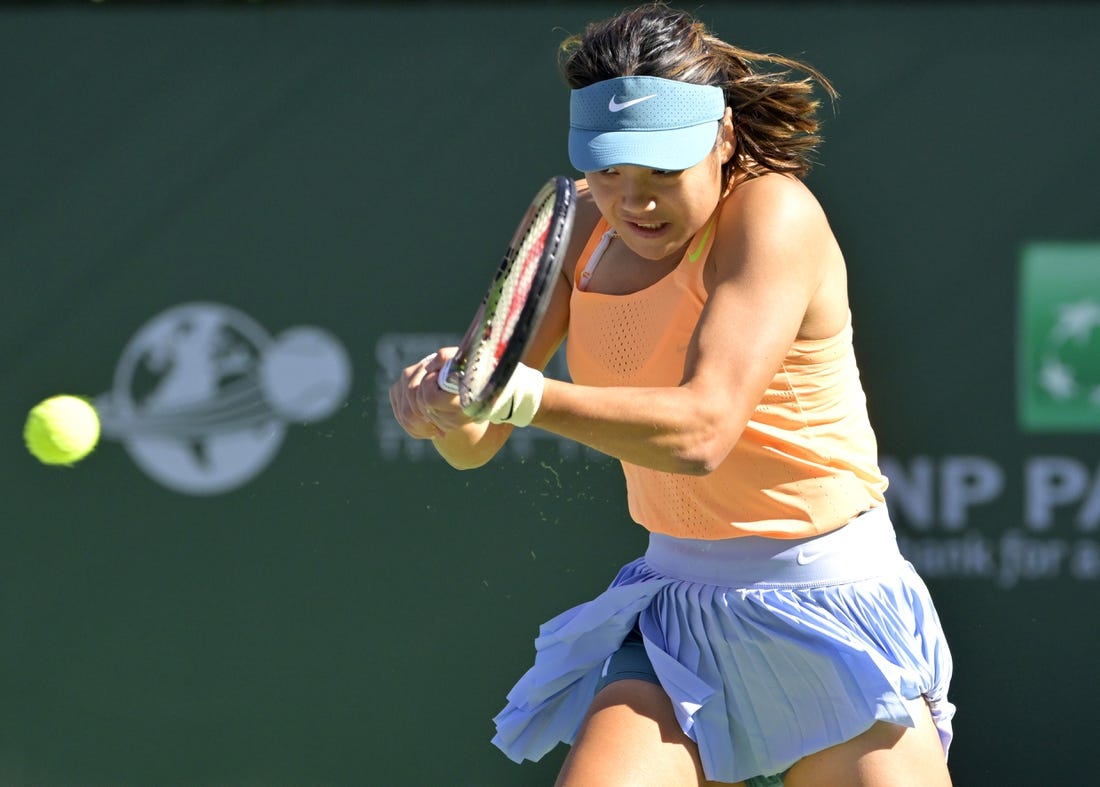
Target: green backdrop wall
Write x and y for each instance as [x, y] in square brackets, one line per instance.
[302, 597]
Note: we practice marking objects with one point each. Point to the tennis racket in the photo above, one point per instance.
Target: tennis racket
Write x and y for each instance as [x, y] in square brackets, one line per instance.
[513, 306]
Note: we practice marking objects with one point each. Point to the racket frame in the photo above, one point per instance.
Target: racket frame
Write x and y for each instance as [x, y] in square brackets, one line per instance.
[454, 377]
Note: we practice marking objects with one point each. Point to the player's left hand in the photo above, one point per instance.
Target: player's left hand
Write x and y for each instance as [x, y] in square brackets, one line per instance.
[420, 406]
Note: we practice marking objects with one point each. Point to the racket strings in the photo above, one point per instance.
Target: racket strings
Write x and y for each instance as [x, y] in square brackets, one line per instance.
[525, 266]
[505, 305]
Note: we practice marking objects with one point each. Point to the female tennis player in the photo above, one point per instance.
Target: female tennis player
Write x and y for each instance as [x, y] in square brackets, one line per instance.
[772, 633]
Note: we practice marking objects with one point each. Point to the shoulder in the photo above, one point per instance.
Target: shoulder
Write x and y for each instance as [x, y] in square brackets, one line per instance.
[773, 233]
[773, 217]
[771, 201]
[773, 225]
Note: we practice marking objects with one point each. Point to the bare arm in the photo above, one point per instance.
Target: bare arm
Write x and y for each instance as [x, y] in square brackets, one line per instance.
[773, 277]
[771, 254]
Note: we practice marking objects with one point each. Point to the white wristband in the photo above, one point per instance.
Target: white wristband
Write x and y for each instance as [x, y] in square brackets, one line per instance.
[520, 399]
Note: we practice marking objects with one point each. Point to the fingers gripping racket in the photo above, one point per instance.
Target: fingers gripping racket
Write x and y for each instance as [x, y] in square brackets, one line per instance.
[515, 302]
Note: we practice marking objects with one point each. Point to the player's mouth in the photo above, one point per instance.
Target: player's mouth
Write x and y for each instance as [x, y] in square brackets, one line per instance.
[647, 229]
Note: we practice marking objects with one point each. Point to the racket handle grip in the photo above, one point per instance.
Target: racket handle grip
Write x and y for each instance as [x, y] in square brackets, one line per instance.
[446, 382]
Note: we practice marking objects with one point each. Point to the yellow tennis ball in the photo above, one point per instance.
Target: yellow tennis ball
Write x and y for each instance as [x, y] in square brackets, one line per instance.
[61, 430]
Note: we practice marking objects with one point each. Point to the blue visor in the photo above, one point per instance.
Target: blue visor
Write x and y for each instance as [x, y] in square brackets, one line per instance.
[646, 121]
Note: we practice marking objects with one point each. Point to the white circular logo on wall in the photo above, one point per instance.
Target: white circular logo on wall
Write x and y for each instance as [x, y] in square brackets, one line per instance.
[203, 395]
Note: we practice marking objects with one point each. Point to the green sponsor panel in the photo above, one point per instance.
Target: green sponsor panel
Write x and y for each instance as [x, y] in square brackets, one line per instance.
[1059, 367]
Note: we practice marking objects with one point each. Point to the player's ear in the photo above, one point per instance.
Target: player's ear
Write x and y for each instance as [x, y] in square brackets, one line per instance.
[726, 141]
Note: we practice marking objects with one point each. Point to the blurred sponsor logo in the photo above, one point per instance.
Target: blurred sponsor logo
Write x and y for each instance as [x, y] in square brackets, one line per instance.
[203, 395]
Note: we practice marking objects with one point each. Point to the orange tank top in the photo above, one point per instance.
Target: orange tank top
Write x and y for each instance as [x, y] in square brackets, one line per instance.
[806, 462]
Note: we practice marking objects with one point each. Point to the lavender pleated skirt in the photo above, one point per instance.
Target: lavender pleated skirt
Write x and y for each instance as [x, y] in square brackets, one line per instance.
[769, 649]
